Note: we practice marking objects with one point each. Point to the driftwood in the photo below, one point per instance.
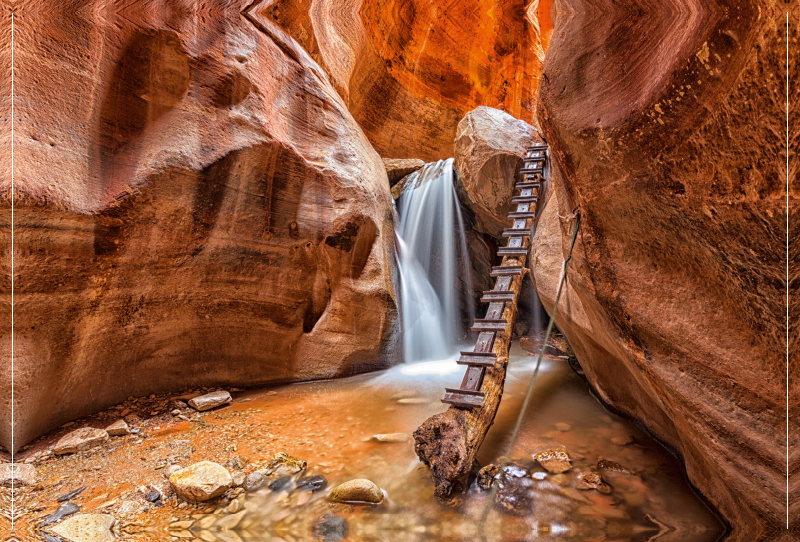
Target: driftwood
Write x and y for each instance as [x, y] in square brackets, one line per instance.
[449, 442]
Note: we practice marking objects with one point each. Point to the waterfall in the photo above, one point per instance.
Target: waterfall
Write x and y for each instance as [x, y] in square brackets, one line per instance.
[430, 238]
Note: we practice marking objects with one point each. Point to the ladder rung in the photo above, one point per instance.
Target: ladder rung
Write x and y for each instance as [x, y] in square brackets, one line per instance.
[506, 270]
[530, 170]
[528, 184]
[524, 214]
[524, 199]
[462, 398]
[506, 251]
[538, 147]
[489, 325]
[492, 295]
[476, 359]
[509, 232]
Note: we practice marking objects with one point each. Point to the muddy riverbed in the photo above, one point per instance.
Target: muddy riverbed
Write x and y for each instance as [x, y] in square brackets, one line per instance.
[331, 426]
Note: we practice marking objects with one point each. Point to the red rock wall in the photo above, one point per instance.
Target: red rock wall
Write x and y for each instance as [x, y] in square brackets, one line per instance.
[666, 125]
[410, 70]
[195, 205]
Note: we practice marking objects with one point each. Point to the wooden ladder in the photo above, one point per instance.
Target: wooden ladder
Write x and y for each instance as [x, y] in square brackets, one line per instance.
[502, 299]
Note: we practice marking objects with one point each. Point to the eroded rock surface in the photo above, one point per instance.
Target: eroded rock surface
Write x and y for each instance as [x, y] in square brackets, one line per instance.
[669, 144]
[193, 207]
[201, 482]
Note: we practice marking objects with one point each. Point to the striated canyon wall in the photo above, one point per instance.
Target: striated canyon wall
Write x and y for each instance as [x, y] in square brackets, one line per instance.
[665, 124]
[195, 205]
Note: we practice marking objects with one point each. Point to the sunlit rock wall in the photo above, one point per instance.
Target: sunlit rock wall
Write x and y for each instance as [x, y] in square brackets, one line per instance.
[410, 70]
[195, 205]
[666, 125]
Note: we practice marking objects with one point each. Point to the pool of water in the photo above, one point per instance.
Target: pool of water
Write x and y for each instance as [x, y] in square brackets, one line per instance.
[330, 425]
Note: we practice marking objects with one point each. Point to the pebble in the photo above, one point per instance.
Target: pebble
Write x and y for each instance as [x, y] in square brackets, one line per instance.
[20, 474]
[61, 512]
[238, 478]
[280, 483]
[391, 437]
[613, 466]
[201, 482]
[555, 461]
[80, 440]
[153, 496]
[329, 528]
[210, 400]
[283, 464]
[71, 495]
[593, 481]
[359, 490]
[312, 483]
[486, 476]
[254, 481]
[86, 528]
[118, 429]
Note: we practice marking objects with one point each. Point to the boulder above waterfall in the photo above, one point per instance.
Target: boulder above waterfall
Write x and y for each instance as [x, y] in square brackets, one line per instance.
[489, 148]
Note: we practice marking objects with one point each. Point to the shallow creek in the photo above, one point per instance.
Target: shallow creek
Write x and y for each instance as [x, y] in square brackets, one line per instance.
[330, 425]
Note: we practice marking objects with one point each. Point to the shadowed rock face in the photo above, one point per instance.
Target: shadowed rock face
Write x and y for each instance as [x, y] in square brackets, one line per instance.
[409, 70]
[665, 124]
[194, 205]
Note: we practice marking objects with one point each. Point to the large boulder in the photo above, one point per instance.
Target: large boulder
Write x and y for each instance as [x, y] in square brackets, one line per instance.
[195, 206]
[670, 145]
[489, 148]
[410, 69]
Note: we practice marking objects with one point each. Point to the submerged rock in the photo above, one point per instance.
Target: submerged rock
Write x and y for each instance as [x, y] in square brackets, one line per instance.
[86, 528]
[201, 482]
[359, 490]
[283, 464]
[80, 440]
[118, 428]
[329, 528]
[613, 466]
[210, 400]
[593, 480]
[515, 495]
[280, 483]
[312, 483]
[555, 461]
[254, 481]
[18, 474]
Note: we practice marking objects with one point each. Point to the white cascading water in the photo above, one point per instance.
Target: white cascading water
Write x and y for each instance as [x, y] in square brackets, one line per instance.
[430, 237]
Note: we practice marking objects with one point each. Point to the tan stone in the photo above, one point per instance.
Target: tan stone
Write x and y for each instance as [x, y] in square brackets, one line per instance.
[359, 490]
[396, 168]
[210, 400]
[80, 440]
[283, 464]
[86, 528]
[118, 428]
[18, 474]
[201, 481]
[555, 461]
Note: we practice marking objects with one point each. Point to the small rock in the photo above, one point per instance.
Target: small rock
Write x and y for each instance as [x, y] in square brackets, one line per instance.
[391, 437]
[555, 460]
[623, 441]
[613, 466]
[486, 476]
[80, 440]
[132, 419]
[280, 483]
[175, 412]
[153, 496]
[172, 469]
[118, 428]
[593, 481]
[329, 528]
[238, 478]
[272, 392]
[515, 496]
[86, 528]
[179, 404]
[312, 483]
[254, 481]
[71, 495]
[50, 538]
[62, 511]
[210, 400]
[201, 482]
[563, 426]
[359, 490]
[283, 464]
[20, 474]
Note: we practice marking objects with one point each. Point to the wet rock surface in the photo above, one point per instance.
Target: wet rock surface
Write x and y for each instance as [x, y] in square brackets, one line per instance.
[330, 528]
[359, 490]
[555, 461]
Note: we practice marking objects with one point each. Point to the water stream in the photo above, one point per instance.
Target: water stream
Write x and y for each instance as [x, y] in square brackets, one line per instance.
[430, 238]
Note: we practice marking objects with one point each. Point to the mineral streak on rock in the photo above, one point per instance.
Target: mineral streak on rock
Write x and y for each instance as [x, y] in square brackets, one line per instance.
[194, 207]
[671, 143]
